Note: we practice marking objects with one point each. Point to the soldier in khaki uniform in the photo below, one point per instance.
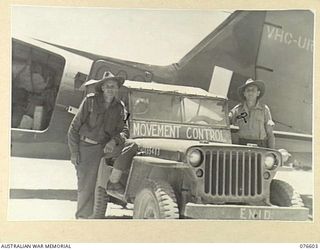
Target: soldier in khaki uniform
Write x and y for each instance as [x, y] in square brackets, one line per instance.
[253, 118]
[98, 126]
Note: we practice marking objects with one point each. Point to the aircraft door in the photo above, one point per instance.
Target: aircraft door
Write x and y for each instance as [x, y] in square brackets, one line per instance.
[36, 77]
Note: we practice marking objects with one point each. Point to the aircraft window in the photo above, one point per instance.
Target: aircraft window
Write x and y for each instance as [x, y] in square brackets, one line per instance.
[36, 75]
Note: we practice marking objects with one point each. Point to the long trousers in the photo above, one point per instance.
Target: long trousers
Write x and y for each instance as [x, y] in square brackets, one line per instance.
[123, 160]
[87, 171]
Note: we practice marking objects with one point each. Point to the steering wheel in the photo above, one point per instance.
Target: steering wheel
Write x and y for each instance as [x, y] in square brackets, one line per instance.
[200, 119]
[140, 107]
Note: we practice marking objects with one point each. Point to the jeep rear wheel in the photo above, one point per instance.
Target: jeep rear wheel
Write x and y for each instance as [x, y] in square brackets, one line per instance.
[156, 201]
[282, 194]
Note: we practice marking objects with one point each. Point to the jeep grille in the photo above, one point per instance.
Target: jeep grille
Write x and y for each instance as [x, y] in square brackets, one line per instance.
[233, 173]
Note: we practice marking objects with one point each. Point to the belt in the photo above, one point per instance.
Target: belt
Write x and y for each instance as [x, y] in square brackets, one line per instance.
[88, 140]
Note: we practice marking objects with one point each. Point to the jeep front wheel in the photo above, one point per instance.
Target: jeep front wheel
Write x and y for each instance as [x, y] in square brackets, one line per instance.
[156, 200]
[282, 194]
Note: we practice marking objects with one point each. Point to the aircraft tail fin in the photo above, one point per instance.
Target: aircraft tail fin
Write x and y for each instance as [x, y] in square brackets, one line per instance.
[233, 45]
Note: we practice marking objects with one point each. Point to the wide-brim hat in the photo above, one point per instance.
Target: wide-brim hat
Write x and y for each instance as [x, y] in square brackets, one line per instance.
[107, 76]
[260, 84]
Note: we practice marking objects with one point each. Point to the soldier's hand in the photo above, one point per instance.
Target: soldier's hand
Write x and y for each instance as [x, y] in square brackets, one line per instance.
[110, 146]
[75, 158]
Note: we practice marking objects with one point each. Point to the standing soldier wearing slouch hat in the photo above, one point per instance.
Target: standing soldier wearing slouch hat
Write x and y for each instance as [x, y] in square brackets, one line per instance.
[253, 118]
[99, 126]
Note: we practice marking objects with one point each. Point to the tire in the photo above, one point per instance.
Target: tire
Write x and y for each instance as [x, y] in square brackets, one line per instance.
[100, 203]
[156, 201]
[282, 194]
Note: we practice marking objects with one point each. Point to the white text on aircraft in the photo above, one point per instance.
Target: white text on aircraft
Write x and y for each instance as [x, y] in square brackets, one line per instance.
[288, 38]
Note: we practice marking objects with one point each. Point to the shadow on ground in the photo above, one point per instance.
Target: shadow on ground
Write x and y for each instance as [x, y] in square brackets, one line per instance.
[71, 195]
[44, 194]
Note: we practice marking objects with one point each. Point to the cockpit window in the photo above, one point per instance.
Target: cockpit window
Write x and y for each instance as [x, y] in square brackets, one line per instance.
[177, 109]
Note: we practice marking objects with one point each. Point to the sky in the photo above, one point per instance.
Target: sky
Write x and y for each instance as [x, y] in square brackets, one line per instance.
[151, 36]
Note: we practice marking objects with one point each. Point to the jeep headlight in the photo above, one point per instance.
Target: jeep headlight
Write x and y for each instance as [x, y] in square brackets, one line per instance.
[269, 160]
[194, 157]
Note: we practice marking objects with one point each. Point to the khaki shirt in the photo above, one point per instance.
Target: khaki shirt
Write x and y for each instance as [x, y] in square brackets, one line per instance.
[97, 123]
[252, 123]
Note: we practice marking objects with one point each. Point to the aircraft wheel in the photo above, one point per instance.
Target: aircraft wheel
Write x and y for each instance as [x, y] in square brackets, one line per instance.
[282, 194]
[156, 201]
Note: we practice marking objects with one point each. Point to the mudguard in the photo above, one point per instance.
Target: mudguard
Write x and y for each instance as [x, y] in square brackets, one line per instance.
[142, 168]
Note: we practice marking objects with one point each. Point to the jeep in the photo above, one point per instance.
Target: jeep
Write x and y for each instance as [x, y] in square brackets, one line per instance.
[187, 166]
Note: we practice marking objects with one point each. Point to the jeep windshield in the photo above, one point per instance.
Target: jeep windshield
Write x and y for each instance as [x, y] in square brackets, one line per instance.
[178, 108]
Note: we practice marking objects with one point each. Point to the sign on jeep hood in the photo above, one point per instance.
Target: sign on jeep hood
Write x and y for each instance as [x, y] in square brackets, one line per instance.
[179, 131]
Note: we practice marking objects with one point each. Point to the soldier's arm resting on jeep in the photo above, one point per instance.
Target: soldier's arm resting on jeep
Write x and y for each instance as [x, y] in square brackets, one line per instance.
[123, 135]
[270, 136]
[123, 129]
[231, 116]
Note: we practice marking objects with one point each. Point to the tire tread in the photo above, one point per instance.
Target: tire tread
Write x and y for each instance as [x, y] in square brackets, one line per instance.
[165, 197]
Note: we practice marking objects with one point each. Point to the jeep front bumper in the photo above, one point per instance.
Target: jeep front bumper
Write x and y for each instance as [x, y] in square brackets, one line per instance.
[241, 212]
